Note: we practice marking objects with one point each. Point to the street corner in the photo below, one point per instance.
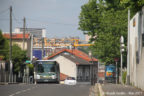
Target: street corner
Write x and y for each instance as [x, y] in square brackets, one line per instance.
[101, 92]
[94, 90]
[119, 90]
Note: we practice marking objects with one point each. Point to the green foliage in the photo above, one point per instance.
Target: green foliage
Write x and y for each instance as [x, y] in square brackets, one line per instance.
[18, 58]
[124, 77]
[31, 69]
[18, 55]
[134, 5]
[105, 23]
[84, 49]
[4, 45]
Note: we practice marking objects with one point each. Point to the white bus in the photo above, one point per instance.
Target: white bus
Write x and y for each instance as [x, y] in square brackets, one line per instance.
[46, 71]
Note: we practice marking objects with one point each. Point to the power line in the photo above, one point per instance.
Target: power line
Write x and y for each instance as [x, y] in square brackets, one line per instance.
[3, 11]
[6, 19]
[46, 22]
[16, 20]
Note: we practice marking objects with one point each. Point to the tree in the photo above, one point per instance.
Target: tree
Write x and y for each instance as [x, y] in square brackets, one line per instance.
[18, 55]
[105, 23]
[3, 46]
[18, 58]
[88, 18]
[84, 49]
[107, 43]
[134, 5]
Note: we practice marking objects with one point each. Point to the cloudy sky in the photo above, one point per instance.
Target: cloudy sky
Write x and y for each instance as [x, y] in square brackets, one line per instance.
[59, 17]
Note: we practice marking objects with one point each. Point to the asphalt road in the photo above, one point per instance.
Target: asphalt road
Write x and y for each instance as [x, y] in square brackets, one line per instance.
[44, 90]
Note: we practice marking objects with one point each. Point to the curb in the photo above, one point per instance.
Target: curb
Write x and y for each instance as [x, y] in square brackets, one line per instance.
[93, 91]
[101, 92]
[61, 82]
[3, 83]
[8, 83]
[13, 83]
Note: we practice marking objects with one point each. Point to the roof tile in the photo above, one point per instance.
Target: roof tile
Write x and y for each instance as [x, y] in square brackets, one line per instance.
[75, 52]
[16, 36]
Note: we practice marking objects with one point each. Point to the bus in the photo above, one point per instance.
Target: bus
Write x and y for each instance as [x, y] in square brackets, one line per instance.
[46, 71]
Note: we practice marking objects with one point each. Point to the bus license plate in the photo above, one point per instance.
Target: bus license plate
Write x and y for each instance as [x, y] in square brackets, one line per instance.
[46, 80]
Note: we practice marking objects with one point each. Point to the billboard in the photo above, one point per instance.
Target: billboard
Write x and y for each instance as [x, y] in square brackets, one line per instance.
[110, 71]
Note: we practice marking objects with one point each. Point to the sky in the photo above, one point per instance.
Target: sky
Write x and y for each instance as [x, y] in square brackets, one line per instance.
[59, 17]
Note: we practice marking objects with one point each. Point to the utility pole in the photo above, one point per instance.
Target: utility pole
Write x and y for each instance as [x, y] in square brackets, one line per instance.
[92, 68]
[116, 60]
[122, 50]
[24, 22]
[31, 47]
[128, 52]
[116, 73]
[121, 66]
[10, 51]
[42, 47]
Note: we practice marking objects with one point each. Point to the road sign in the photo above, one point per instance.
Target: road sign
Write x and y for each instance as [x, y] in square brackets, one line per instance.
[116, 59]
[27, 61]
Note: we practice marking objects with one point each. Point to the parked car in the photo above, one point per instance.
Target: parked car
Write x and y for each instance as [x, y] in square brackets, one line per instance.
[70, 81]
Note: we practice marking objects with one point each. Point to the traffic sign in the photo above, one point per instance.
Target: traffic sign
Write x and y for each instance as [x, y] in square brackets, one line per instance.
[27, 61]
[116, 59]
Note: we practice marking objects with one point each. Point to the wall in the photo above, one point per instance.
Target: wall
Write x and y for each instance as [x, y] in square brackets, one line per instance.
[67, 67]
[27, 43]
[137, 50]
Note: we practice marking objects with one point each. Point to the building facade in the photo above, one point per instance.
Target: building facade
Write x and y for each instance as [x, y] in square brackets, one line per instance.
[136, 50]
[36, 32]
[24, 44]
[76, 64]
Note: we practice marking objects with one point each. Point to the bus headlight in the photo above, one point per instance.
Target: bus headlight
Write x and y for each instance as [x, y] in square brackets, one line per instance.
[38, 76]
[53, 76]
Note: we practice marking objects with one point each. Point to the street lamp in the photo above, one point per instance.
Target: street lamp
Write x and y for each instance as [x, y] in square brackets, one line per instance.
[121, 51]
[35, 71]
[116, 60]
[92, 69]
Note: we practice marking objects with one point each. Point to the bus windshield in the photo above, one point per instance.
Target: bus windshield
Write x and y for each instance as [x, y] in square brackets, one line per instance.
[44, 67]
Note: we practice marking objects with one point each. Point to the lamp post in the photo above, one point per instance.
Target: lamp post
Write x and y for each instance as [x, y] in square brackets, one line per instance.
[35, 71]
[128, 50]
[121, 51]
[116, 60]
[92, 69]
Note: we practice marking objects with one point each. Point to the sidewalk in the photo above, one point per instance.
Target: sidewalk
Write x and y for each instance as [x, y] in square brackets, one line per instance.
[94, 90]
[6, 83]
[119, 90]
[3, 83]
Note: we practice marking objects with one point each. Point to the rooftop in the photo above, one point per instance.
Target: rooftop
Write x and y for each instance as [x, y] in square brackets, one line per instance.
[16, 35]
[76, 53]
[76, 59]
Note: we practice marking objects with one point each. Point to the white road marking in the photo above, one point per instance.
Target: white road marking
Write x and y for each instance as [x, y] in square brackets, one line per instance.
[18, 92]
[12, 95]
[22, 91]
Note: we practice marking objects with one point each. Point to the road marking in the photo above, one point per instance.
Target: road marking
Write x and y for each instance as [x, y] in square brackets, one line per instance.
[22, 91]
[12, 95]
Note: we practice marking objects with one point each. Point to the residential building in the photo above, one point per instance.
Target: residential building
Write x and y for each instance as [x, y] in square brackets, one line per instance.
[17, 38]
[76, 64]
[36, 32]
[136, 50]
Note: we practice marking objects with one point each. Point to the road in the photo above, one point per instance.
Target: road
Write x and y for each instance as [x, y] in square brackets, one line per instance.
[44, 90]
